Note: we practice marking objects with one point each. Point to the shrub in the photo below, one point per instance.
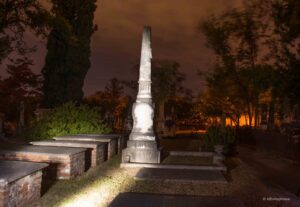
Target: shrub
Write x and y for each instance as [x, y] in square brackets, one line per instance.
[67, 119]
[216, 135]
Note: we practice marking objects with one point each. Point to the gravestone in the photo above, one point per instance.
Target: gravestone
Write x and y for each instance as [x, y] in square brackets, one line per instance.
[64, 162]
[181, 175]
[141, 146]
[20, 182]
[150, 200]
[96, 153]
[115, 141]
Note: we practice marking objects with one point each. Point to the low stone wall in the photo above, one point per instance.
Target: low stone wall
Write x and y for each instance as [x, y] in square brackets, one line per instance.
[22, 191]
[60, 166]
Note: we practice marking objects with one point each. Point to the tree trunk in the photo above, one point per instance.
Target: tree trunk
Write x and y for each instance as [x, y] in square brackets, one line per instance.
[256, 116]
[271, 115]
[250, 114]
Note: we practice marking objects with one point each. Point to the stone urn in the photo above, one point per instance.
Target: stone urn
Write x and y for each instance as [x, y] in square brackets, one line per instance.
[219, 149]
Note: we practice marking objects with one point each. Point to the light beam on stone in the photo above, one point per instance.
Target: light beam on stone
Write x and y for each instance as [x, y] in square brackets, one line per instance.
[141, 146]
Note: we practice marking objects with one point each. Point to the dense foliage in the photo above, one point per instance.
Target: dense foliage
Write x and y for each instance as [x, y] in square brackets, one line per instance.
[115, 106]
[67, 119]
[20, 86]
[218, 135]
[67, 60]
[257, 49]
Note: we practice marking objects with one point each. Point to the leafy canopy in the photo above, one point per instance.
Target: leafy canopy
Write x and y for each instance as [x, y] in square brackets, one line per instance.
[67, 119]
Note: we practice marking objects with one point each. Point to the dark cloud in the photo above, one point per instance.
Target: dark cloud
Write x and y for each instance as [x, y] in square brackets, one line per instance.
[116, 45]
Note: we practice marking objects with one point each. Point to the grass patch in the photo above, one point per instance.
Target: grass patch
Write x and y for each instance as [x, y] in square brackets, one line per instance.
[100, 185]
[97, 187]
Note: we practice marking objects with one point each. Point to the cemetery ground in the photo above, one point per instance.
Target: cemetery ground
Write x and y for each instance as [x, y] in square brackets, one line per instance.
[100, 185]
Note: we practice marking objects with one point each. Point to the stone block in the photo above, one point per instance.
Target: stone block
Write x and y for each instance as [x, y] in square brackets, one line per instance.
[20, 182]
[138, 155]
[95, 155]
[64, 162]
[147, 199]
[114, 141]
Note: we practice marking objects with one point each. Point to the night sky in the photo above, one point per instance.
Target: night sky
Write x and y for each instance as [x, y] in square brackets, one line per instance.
[116, 45]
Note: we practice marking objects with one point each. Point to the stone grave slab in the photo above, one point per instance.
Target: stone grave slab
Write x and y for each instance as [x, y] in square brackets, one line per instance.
[120, 137]
[96, 153]
[158, 200]
[64, 162]
[192, 157]
[112, 140]
[180, 175]
[20, 182]
[188, 160]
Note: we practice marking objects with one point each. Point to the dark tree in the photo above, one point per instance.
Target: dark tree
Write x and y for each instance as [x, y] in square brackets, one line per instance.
[166, 79]
[258, 52]
[17, 16]
[67, 60]
[113, 103]
[21, 85]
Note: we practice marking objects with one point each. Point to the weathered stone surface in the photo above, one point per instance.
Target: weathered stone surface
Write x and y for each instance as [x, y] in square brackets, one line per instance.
[139, 155]
[120, 137]
[150, 200]
[196, 154]
[142, 147]
[64, 162]
[112, 141]
[94, 156]
[168, 166]
[216, 158]
[13, 170]
[181, 175]
[20, 182]
[60, 151]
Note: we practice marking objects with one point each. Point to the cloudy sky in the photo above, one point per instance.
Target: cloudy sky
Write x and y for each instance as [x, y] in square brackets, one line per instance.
[116, 44]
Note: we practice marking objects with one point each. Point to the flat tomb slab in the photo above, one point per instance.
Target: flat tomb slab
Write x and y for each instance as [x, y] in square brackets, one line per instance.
[20, 182]
[169, 166]
[64, 162]
[109, 136]
[150, 200]
[181, 175]
[96, 154]
[188, 160]
[60, 151]
[120, 137]
[13, 170]
[112, 142]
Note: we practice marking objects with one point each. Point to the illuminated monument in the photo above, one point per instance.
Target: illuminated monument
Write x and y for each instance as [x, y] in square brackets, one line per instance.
[141, 146]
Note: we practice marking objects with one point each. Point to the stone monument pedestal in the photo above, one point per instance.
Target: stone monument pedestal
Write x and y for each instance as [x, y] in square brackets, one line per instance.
[141, 152]
[141, 146]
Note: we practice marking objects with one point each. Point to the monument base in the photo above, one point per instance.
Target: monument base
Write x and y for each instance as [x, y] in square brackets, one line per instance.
[141, 152]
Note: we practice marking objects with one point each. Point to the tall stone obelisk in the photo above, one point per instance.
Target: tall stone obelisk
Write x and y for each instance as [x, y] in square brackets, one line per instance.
[141, 146]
